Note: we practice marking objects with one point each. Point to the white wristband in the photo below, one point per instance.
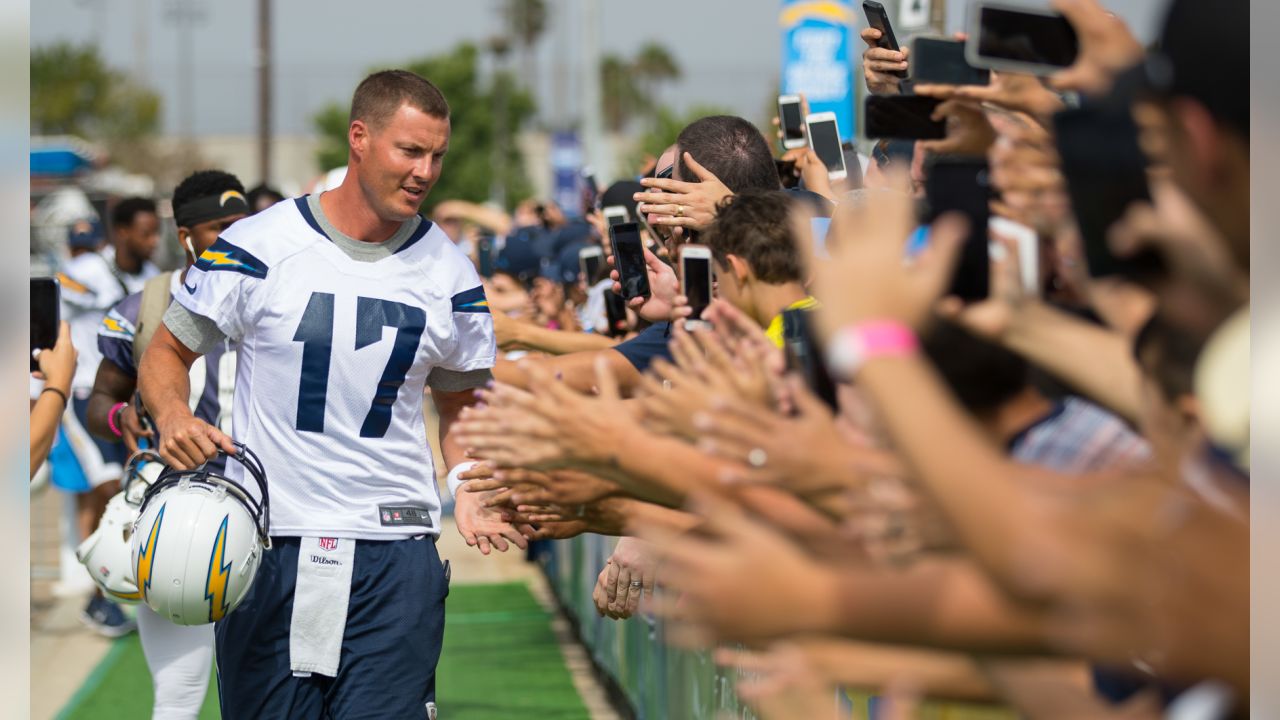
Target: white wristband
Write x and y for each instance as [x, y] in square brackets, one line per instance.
[453, 481]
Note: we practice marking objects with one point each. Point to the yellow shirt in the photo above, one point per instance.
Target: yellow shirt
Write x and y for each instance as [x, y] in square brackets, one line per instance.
[774, 331]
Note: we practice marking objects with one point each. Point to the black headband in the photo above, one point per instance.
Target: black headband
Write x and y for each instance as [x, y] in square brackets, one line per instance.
[210, 207]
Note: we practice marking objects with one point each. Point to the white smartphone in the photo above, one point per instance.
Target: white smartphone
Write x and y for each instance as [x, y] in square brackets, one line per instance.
[1017, 38]
[791, 122]
[824, 138]
[1028, 250]
[615, 214]
[590, 259]
[695, 281]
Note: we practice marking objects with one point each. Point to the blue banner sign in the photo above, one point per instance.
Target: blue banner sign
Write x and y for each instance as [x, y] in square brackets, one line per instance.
[816, 38]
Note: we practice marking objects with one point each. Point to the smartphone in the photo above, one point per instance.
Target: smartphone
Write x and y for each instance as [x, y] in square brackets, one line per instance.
[824, 138]
[941, 60]
[628, 254]
[879, 19]
[1106, 172]
[1028, 243]
[590, 260]
[803, 355]
[695, 279]
[46, 314]
[791, 121]
[484, 253]
[964, 185]
[903, 117]
[590, 192]
[1020, 39]
[615, 312]
[615, 214]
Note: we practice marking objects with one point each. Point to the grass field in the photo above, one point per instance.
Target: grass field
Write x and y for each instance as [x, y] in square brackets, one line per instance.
[500, 661]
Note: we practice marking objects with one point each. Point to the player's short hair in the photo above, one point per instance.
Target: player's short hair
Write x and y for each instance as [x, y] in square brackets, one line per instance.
[123, 214]
[380, 95]
[755, 225]
[730, 148]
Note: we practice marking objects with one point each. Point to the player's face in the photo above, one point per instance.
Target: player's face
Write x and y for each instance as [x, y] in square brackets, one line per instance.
[143, 236]
[203, 236]
[402, 161]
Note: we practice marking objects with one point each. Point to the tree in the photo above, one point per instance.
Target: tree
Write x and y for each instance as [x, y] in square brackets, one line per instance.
[654, 65]
[469, 166]
[526, 21]
[629, 87]
[73, 92]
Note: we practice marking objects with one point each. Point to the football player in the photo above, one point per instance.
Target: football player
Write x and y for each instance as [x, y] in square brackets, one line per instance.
[204, 205]
[347, 306]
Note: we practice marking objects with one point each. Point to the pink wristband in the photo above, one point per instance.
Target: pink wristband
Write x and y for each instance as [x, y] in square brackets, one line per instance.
[111, 418]
[854, 345]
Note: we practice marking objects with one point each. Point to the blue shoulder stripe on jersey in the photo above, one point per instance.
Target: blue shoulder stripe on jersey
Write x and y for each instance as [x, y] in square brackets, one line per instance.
[423, 228]
[305, 209]
[472, 301]
[222, 255]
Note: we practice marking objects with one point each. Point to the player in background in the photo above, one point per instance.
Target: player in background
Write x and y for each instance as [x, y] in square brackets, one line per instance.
[347, 306]
[93, 280]
[204, 205]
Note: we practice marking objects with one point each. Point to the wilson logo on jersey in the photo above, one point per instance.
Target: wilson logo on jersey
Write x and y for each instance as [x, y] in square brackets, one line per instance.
[147, 555]
[472, 301]
[222, 255]
[215, 585]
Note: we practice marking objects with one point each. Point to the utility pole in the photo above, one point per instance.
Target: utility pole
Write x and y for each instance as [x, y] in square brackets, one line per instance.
[499, 45]
[263, 63]
[141, 47]
[592, 122]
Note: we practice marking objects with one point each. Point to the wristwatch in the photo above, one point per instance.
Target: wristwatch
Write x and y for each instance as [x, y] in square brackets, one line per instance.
[854, 345]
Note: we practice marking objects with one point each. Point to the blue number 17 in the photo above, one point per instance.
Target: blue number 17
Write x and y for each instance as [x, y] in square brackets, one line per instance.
[315, 332]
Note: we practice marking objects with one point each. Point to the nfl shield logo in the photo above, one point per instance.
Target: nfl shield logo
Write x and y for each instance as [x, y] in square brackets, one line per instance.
[328, 543]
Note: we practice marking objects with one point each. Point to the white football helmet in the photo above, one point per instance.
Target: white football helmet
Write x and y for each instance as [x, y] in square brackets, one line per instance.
[107, 553]
[198, 541]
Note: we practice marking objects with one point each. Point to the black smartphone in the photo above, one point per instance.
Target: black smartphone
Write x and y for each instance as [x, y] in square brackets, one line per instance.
[805, 357]
[1106, 172]
[964, 185]
[939, 60]
[695, 277]
[903, 117]
[484, 253]
[628, 255]
[615, 312]
[1020, 39]
[590, 260]
[879, 19]
[590, 192]
[46, 314]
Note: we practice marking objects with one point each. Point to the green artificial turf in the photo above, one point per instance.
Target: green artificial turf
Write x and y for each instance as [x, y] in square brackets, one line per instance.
[500, 661]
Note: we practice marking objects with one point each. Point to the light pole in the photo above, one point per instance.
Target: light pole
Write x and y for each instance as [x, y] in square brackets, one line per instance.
[500, 46]
[185, 14]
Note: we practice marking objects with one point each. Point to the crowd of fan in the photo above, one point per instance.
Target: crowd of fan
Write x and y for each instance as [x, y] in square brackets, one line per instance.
[1039, 498]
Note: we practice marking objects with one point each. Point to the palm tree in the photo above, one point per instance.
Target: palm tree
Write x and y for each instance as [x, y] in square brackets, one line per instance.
[654, 65]
[621, 96]
[526, 21]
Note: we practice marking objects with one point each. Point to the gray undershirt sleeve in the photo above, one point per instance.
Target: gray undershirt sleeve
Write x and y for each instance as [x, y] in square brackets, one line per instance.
[455, 381]
[197, 332]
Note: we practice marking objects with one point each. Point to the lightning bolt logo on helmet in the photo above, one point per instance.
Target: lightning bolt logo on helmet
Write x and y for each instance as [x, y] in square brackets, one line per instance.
[147, 555]
[215, 585]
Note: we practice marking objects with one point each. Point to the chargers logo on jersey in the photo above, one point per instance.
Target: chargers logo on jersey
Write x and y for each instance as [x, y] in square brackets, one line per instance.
[222, 255]
[215, 585]
[471, 301]
[147, 555]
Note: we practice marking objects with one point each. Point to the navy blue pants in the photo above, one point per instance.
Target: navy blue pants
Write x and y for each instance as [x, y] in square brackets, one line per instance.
[395, 627]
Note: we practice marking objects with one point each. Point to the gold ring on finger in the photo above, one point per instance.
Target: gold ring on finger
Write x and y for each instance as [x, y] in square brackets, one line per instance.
[679, 211]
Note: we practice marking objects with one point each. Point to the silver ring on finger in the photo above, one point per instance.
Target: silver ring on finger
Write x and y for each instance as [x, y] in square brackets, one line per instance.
[757, 457]
[637, 583]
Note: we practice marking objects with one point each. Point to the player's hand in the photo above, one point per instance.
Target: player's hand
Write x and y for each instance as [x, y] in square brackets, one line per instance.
[616, 593]
[483, 528]
[189, 442]
[131, 428]
[58, 363]
[680, 204]
[879, 64]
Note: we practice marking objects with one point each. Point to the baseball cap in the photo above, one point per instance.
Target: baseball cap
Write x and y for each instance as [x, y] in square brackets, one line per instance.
[564, 267]
[84, 233]
[620, 193]
[1203, 53]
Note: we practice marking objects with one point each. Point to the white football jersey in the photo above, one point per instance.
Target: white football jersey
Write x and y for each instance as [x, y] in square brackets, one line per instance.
[334, 357]
[90, 287]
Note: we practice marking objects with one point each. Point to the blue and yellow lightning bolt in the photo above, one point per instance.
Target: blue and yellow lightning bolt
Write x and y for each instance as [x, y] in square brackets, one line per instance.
[147, 556]
[219, 259]
[215, 586]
